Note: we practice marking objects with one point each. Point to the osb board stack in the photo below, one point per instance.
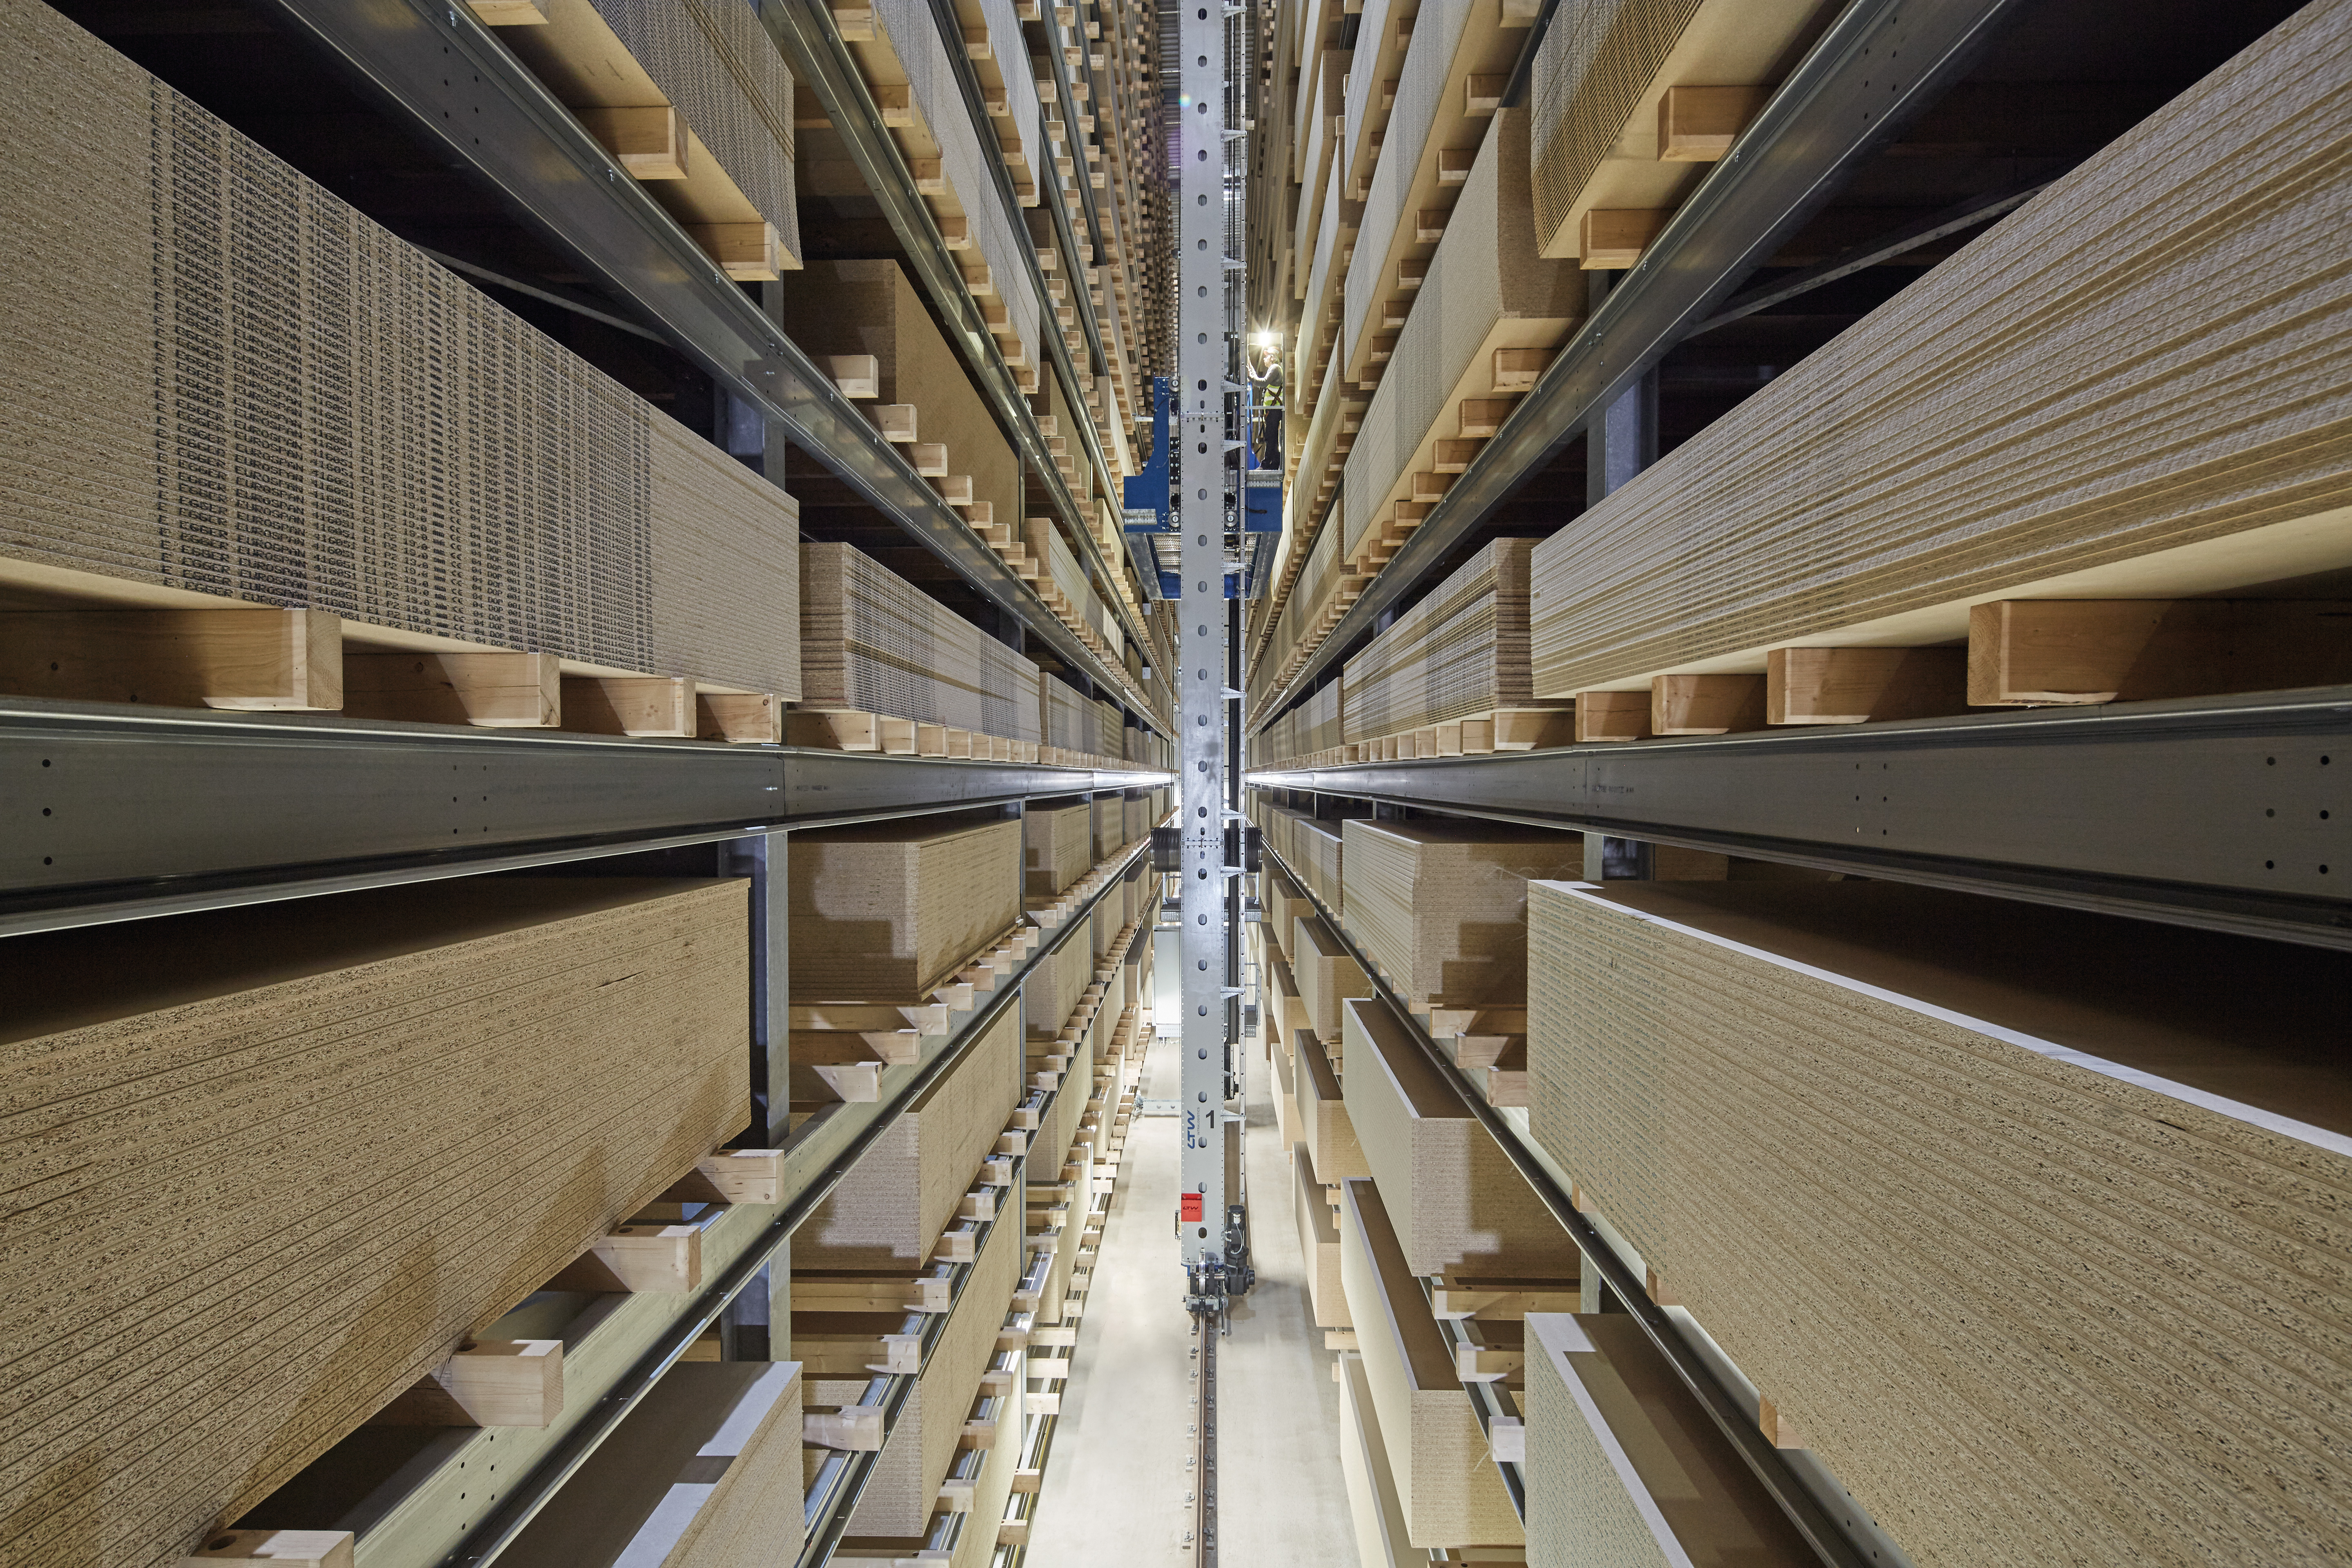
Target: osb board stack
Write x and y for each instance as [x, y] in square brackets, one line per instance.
[1057, 846]
[2074, 1186]
[1461, 653]
[1625, 1467]
[1448, 1487]
[1454, 1197]
[1326, 975]
[1441, 904]
[276, 1149]
[2135, 385]
[284, 405]
[889, 1211]
[905, 1485]
[871, 640]
[870, 308]
[889, 912]
[719, 1442]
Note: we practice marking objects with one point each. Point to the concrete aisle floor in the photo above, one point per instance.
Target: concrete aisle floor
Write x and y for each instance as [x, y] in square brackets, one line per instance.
[1115, 1484]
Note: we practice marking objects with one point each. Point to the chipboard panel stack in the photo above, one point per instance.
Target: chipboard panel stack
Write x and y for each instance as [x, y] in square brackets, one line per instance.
[1460, 653]
[283, 404]
[889, 911]
[1440, 905]
[873, 642]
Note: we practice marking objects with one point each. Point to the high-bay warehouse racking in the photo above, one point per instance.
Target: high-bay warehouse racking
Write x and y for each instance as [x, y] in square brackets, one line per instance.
[687, 754]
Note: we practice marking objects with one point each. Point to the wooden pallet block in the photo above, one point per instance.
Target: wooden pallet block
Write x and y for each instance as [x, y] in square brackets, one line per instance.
[341, 1226]
[2136, 1088]
[1447, 1486]
[1454, 1197]
[888, 912]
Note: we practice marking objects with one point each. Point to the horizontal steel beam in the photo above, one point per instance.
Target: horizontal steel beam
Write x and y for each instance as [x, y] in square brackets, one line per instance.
[117, 812]
[455, 84]
[2223, 813]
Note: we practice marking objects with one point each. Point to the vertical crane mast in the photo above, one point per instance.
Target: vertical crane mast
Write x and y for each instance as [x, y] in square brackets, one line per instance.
[1203, 483]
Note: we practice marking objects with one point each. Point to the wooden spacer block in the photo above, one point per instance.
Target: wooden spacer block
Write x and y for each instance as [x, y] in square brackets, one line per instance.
[897, 421]
[733, 1176]
[1705, 704]
[630, 705]
[896, 100]
[857, 376]
[1611, 716]
[1698, 124]
[1479, 417]
[1517, 370]
[1779, 1430]
[958, 1246]
[1507, 1439]
[2025, 651]
[498, 1382]
[929, 458]
[490, 691]
[1484, 94]
[258, 659]
[1454, 456]
[1856, 685]
[840, 731]
[929, 176]
[746, 252]
[739, 718]
[854, 23]
[286, 1548]
[649, 142]
[854, 1428]
[1429, 488]
[508, 12]
[955, 231]
[1429, 225]
[956, 489]
[1453, 165]
[1613, 238]
[644, 1259]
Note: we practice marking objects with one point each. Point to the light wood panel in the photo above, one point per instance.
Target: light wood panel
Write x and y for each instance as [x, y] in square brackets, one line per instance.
[1440, 904]
[889, 911]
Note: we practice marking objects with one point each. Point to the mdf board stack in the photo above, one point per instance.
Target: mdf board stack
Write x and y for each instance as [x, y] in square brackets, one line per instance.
[1319, 1245]
[1625, 1467]
[704, 1472]
[1455, 1200]
[1461, 653]
[1327, 975]
[889, 1211]
[2077, 404]
[1440, 905]
[287, 406]
[1057, 846]
[295, 1154]
[693, 99]
[1447, 1485]
[889, 911]
[2074, 1178]
[872, 641]
[1485, 298]
[838, 308]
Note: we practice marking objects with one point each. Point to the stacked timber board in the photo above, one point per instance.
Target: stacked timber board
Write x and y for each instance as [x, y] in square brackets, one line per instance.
[693, 99]
[1461, 653]
[284, 405]
[850, 307]
[287, 1158]
[1058, 846]
[1626, 1469]
[872, 641]
[2080, 404]
[889, 911]
[2067, 1186]
[1440, 905]
[705, 1471]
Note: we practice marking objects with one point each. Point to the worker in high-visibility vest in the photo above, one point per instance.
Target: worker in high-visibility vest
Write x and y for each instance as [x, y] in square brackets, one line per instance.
[1266, 383]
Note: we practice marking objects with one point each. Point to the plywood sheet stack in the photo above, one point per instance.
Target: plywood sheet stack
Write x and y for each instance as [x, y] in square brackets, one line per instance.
[1058, 839]
[1486, 293]
[2076, 1181]
[839, 308]
[2077, 404]
[872, 641]
[1461, 653]
[276, 1149]
[889, 911]
[287, 406]
[1440, 905]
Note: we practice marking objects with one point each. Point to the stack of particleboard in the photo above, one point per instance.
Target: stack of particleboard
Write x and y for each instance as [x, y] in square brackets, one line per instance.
[872, 642]
[1135, 818]
[693, 99]
[1063, 582]
[276, 1148]
[1317, 859]
[704, 1472]
[1057, 846]
[2076, 345]
[1319, 1245]
[1440, 905]
[1068, 720]
[1324, 1132]
[890, 911]
[2075, 1179]
[1447, 1486]
[1624, 1465]
[1110, 825]
[1283, 1018]
[1458, 660]
[1493, 314]
[1285, 901]
[1321, 722]
[1327, 975]
[1053, 985]
[1632, 93]
[1457, 1204]
[924, 399]
[436, 470]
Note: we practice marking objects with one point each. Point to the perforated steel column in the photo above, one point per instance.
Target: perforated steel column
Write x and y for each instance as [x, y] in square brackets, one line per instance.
[1199, 477]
